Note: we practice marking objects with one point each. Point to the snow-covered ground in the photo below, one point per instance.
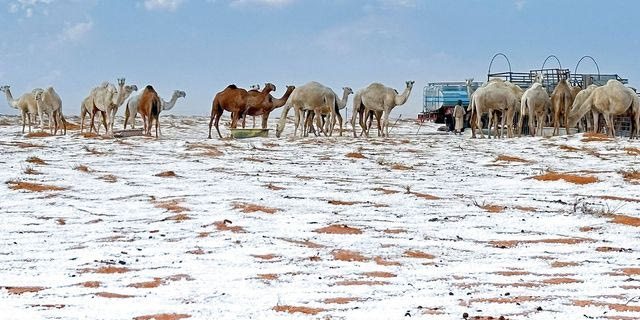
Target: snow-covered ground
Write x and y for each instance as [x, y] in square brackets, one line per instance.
[429, 226]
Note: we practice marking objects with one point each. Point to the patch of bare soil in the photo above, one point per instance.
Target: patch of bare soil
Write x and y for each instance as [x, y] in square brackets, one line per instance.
[493, 208]
[268, 276]
[505, 158]
[355, 155]
[526, 209]
[613, 249]
[105, 270]
[82, 168]
[250, 208]
[163, 316]
[338, 229]
[379, 274]
[21, 290]
[269, 256]
[148, 284]
[34, 187]
[571, 178]
[632, 151]
[343, 203]
[386, 191]
[225, 225]
[418, 254]
[305, 243]
[512, 273]
[401, 167]
[348, 255]
[166, 174]
[618, 198]
[613, 306]
[109, 178]
[170, 205]
[36, 160]
[632, 176]
[562, 264]
[626, 220]
[383, 262]
[597, 137]
[274, 187]
[425, 196]
[340, 300]
[90, 284]
[518, 299]
[303, 310]
[111, 295]
[361, 283]
[561, 281]
[38, 134]
[394, 231]
[515, 243]
[177, 217]
[31, 171]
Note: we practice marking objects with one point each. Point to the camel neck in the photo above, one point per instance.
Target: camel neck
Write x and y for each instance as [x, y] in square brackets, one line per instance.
[12, 102]
[171, 103]
[343, 102]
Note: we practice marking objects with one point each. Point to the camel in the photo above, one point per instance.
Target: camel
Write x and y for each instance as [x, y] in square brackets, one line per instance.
[267, 106]
[534, 103]
[376, 97]
[49, 102]
[575, 89]
[105, 99]
[149, 106]
[311, 96]
[611, 99]
[132, 108]
[561, 100]
[579, 99]
[340, 104]
[26, 104]
[496, 95]
[237, 101]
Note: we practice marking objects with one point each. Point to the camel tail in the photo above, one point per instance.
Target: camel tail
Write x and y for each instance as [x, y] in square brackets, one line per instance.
[577, 112]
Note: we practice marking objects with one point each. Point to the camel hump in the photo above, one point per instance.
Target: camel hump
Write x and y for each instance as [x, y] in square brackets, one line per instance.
[150, 88]
[232, 86]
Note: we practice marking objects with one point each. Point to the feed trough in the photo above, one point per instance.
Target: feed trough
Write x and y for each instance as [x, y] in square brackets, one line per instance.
[249, 133]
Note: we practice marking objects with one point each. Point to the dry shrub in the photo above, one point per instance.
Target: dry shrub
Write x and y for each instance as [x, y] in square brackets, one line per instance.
[511, 159]
[109, 178]
[35, 187]
[632, 151]
[250, 208]
[31, 170]
[632, 176]
[36, 160]
[571, 178]
[355, 155]
[38, 134]
[303, 310]
[82, 168]
[166, 174]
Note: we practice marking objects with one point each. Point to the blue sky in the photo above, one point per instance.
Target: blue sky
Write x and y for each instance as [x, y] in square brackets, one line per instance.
[201, 46]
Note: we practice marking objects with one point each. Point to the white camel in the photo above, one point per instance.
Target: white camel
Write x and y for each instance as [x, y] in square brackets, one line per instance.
[49, 103]
[105, 99]
[534, 103]
[496, 95]
[611, 99]
[132, 108]
[26, 104]
[580, 98]
[376, 97]
[340, 104]
[561, 101]
[312, 96]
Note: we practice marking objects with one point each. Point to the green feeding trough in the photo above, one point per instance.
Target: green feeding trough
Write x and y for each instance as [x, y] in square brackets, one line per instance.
[249, 133]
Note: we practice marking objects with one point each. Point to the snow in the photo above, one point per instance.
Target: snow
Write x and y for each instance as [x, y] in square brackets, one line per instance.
[54, 239]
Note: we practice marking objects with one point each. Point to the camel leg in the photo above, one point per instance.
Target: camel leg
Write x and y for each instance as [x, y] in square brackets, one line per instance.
[385, 125]
[296, 122]
[24, 120]
[340, 122]
[93, 115]
[318, 116]
[502, 124]
[217, 121]
[157, 127]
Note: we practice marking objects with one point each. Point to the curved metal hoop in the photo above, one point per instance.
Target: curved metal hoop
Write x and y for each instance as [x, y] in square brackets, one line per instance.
[495, 56]
[594, 62]
[547, 59]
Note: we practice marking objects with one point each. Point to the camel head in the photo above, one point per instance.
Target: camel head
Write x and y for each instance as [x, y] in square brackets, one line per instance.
[468, 82]
[268, 87]
[130, 89]
[347, 90]
[410, 84]
[179, 94]
[121, 82]
[538, 78]
[254, 87]
[290, 88]
[38, 94]
[5, 88]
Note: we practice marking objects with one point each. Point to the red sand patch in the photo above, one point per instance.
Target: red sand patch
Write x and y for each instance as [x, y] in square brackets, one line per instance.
[340, 300]
[379, 274]
[33, 187]
[343, 203]
[418, 254]
[338, 229]
[250, 208]
[274, 187]
[90, 284]
[348, 255]
[515, 243]
[383, 262]
[148, 284]
[562, 264]
[36, 160]
[632, 151]
[399, 166]
[171, 205]
[166, 174]
[265, 256]
[613, 306]
[225, 226]
[111, 295]
[511, 159]
[394, 231]
[163, 316]
[355, 155]
[38, 134]
[561, 281]
[21, 290]
[361, 283]
[571, 178]
[626, 220]
[106, 270]
[292, 309]
[268, 276]
[425, 196]
[386, 191]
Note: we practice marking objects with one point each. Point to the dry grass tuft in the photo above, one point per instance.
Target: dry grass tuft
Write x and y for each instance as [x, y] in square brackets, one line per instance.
[38, 134]
[250, 208]
[511, 159]
[632, 176]
[571, 178]
[31, 171]
[82, 168]
[166, 174]
[36, 160]
[35, 187]
[355, 155]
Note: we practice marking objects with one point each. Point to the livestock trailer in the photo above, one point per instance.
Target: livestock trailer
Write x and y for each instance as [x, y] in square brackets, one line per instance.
[440, 96]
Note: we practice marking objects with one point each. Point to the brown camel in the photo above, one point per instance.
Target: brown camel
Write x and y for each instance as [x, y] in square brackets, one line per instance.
[267, 106]
[150, 107]
[237, 101]
[561, 100]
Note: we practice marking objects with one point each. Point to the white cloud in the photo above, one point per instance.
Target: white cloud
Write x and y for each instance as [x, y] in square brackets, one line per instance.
[27, 6]
[270, 3]
[76, 32]
[520, 4]
[170, 5]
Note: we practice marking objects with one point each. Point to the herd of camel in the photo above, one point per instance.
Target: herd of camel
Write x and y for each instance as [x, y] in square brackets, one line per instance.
[314, 102]
[567, 105]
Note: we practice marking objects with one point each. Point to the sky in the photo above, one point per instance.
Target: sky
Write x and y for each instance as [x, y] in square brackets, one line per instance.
[201, 46]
